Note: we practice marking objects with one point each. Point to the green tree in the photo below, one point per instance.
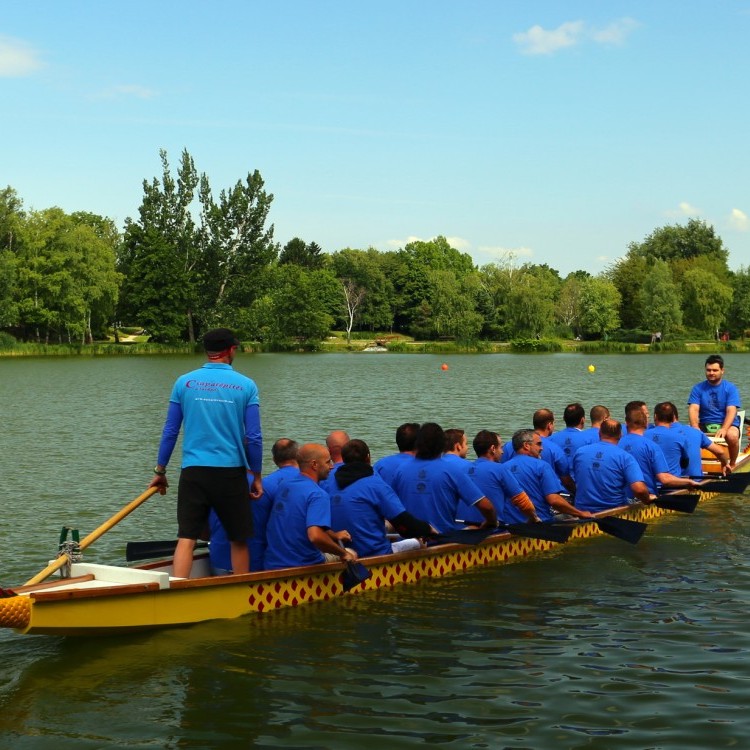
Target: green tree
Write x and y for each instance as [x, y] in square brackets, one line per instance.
[308, 255]
[677, 242]
[706, 300]
[159, 256]
[600, 304]
[531, 300]
[739, 310]
[568, 305]
[659, 299]
[628, 274]
[367, 269]
[12, 218]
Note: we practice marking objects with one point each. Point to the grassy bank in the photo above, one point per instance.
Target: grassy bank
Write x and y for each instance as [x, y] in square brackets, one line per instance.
[385, 342]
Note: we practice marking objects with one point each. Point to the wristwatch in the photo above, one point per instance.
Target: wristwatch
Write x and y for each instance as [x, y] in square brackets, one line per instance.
[160, 472]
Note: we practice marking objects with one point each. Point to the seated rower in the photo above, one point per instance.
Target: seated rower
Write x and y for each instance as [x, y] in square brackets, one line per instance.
[604, 473]
[299, 524]
[496, 481]
[362, 502]
[542, 485]
[430, 487]
[284, 455]
[672, 442]
[648, 454]
[697, 441]
[406, 436]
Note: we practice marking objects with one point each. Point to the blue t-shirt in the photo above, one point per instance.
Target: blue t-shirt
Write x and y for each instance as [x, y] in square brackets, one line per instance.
[603, 473]
[696, 441]
[713, 401]
[387, 466]
[329, 483]
[538, 480]
[570, 440]
[496, 482]
[649, 456]
[431, 488]
[213, 402]
[299, 504]
[674, 446]
[551, 454]
[361, 508]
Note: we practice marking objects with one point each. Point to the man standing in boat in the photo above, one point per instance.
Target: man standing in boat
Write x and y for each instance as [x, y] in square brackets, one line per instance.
[713, 406]
[220, 410]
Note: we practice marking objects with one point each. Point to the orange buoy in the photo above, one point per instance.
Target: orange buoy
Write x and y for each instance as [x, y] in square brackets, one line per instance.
[443, 366]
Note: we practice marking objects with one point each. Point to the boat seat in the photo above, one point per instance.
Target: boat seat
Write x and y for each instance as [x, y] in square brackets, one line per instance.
[116, 574]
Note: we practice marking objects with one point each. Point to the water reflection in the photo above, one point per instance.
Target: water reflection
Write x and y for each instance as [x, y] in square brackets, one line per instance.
[595, 644]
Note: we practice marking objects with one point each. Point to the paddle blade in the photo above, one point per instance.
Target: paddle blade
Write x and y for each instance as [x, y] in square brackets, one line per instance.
[733, 484]
[354, 574]
[679, 503]
[622, 528]
[546, 531]
[463, 536]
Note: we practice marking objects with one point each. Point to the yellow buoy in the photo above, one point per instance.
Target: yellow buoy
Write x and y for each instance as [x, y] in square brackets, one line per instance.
[592, 368]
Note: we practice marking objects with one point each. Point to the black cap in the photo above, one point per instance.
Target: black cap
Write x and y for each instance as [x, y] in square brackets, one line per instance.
[219, 340]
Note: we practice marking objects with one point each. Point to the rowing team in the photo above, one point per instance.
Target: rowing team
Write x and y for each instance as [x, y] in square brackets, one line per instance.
[430, 487]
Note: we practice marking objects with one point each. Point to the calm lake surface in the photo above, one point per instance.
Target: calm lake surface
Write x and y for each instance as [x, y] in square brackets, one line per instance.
[597, 645]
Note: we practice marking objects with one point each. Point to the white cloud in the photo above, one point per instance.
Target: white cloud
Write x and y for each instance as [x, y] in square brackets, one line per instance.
[129, 89]
[17, 58]
[459, 243]
[684, 209]
[739, 220]
[540, 41]
[616, 32]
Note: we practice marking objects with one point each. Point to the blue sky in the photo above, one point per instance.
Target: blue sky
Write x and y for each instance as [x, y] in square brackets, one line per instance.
[549, 132]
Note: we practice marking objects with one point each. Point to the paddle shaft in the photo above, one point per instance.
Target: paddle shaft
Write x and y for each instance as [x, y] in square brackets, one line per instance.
[93, 536]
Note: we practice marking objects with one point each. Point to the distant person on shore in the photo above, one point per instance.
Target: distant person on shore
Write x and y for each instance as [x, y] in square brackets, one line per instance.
[221, 441]
[299, 525]
[362, 502]
[713, 405]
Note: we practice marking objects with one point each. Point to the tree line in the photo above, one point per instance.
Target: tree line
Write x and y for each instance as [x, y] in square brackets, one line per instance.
[192, 260]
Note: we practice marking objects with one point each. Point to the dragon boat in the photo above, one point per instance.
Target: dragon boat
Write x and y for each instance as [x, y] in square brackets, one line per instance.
[92, 599]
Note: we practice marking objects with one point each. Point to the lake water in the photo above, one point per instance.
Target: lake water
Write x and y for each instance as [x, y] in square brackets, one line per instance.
[597, 645]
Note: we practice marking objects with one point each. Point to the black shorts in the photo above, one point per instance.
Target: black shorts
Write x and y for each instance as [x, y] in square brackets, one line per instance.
[202, 488]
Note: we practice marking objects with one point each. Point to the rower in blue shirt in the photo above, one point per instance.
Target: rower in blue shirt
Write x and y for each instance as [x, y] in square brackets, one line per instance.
[604, 473]
[573, 436]
[430, 487]
[672, 442]
[406, 436]
[536, 477]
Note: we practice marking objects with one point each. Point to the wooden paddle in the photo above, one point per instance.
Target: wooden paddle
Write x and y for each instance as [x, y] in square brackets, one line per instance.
[147, 550]
[93, 536]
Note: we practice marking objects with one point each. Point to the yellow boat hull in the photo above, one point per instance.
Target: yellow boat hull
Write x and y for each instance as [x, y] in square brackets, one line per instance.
[52, 610]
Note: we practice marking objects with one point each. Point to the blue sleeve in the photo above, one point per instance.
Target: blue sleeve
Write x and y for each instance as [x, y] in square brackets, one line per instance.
[169, 433]
[253, 438]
